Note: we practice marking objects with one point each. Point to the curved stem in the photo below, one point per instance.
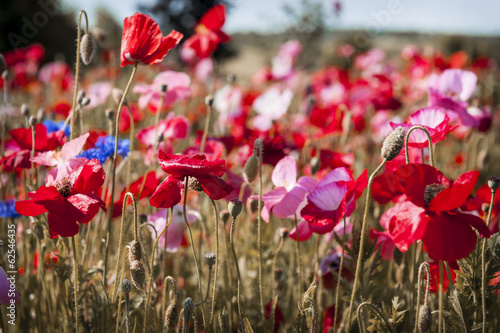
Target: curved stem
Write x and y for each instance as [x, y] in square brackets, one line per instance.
[168, 280]
[122, 236]
[423, 266]
[216, 274]
[362, 241]
[259, 230]
[75, 281]
[377, 312]
[198, 270]
[299, 255]
[77, 70]
[127, 248]
[273, 272]
[483, 263]
[337, 292]
[148, 296]
[431, 151]
[238, 298]
[113, 174]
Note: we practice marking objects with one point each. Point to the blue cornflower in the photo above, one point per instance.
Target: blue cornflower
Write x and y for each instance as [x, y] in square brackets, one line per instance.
[54, 127]
[105, 148]
[7, 209]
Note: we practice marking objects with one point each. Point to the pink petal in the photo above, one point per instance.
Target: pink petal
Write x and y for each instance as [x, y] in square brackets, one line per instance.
[73, 147]
[304, 231]
[328, 197]
[285, 173]
[337, 175]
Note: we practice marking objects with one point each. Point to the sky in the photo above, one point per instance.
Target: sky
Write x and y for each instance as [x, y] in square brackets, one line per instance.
[444, 16]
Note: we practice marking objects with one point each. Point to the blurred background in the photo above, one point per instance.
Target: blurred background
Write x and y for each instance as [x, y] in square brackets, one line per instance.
[258, 27]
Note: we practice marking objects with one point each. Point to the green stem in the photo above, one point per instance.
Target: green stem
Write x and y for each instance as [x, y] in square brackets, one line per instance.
[259, 231]
[337, 292]
[148, 296]
[299, 255]
[205, 131]
[216, 273]
[377, 312]
[198, 270]
[483, 264]
[113, 174]
[75, 281]
[237, 269]
[362, 241]
[273, 272]
[77, 70]
[431, 151]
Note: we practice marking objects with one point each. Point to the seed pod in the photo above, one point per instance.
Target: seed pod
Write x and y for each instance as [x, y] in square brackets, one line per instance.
[424, 319]
[251, 169]
[25, 110]
[135, 251]
[393, 144]
[32, 121]
[138, 274]
[284, 232]
[209, 100]
[194, 184]
[79, 96]
[235, 206]
[126, 286]
[494, 183]
[171, 314]
[87, 49]
[210, 259]
[110, 114]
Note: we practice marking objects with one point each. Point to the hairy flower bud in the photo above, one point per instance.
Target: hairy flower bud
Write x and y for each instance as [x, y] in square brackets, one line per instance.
[135, 251]
[251, 169]
[79, 96]
[87, 48]
[393, 144]
[6, 74]
[424, 319]
[188, 305]
[170, 318]
[494, 183]
[235, 206]
[40, 115]
[210, 259]
[25, 110]
[138, 274]
[126, 286]
[315, 164]
[194, 184]
[85, 101]
[284, 232]
[163, 87]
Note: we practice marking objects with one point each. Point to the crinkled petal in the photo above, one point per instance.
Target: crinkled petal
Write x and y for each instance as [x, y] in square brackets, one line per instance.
[303, 233]
[215, 187]
[168, 193]
[408, 226]
[88, 177]
[329, 196]
[456, 195]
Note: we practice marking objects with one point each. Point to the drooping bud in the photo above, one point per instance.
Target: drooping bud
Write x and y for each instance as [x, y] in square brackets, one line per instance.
[32, 121]
[210, 259]
[235, 206]
[194, 184]
[135, 251]
[209, 100]
[170, 318]
[393, 144]
[424, 318]
[126, 286]
[25, 110]
[251, 169]
[3, 64]
[87, 48]
[494, 183]
[224, 216]
[138, 274]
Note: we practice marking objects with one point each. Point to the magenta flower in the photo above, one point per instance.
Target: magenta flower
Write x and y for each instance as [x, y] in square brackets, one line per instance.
[175, 232]
[334, 197]
[65, 160]
[270, 106]
[289, 195]
[177, 89]
[173, 128]
[434, 119]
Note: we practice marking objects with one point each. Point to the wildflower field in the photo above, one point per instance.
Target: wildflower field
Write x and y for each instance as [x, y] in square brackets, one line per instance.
[145, 190]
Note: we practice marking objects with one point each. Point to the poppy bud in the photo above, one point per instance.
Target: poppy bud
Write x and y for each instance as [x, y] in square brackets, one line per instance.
[32, 121]
[210, 258]
[126, 286]
[424, 319]
[235, 206]
[25, 110]
[188, 305]
[117, 95]
[5, 75]
[135, 251]
[38, 231]
[284, 232]
[163, 87]
[224, 216]
[160, 137]
[393, 144]
[110, 114]
[494, 183]
[85, 101]
[40, 115]
[251, 169]
[209, 100]
[3, 64]
[170, 317]
[138, 274]
[87, 49]
[315, 164]
[79, 96]
[194, 184]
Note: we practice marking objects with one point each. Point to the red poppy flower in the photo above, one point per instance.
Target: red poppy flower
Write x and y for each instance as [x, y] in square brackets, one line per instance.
[432, 214]
[208, 174]
[23, 138]
[142, 41]
[69, 202]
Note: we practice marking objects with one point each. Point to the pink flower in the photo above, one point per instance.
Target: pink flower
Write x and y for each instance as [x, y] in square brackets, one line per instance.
[282, 64]
[227, 101]
[173, 128]
[334, 197]
[175, 232]
[434, 119]
[270, 106]
[289, 196]
[177, 89]
[98, 94]
[65, 160]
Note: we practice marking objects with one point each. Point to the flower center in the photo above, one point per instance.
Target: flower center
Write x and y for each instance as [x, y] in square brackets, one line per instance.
[431, 191]
[194, 184]
[64, 187]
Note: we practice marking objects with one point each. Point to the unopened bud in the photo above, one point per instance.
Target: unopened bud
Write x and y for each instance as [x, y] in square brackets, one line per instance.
[235, 206]
[210, 259]
[160, 137]
[494, 183]
[87, 49]
[32, 121]
[251, 169]
[110, 114]
[424, 318]
[224, 216]
[126, 286]
[85, 101]
[315, 164]
[3, 64]
[170, 317]
[393, 144]
[194, 184]
[135, 251]
[40, 115]
[38, 231]
[117, 95]
[25, 110]
[163, 87]
[209, 100]
[79, 96]
[6, 74]
[284, 232]
[138, 274]
[188, 305]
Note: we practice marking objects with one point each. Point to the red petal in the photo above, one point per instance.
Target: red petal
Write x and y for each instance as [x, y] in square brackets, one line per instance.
[214, 18]
[194, 166]
[88, 177]
[414, 179]
[215, 187]
[63, 220]
[408, 226]
[23, 137]
[141, 37]
[449, 237]
[168, 193]
[320, 221]
[456, 195]
[88, 205]
[167, 43]
[29, 208]
[386, 187]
